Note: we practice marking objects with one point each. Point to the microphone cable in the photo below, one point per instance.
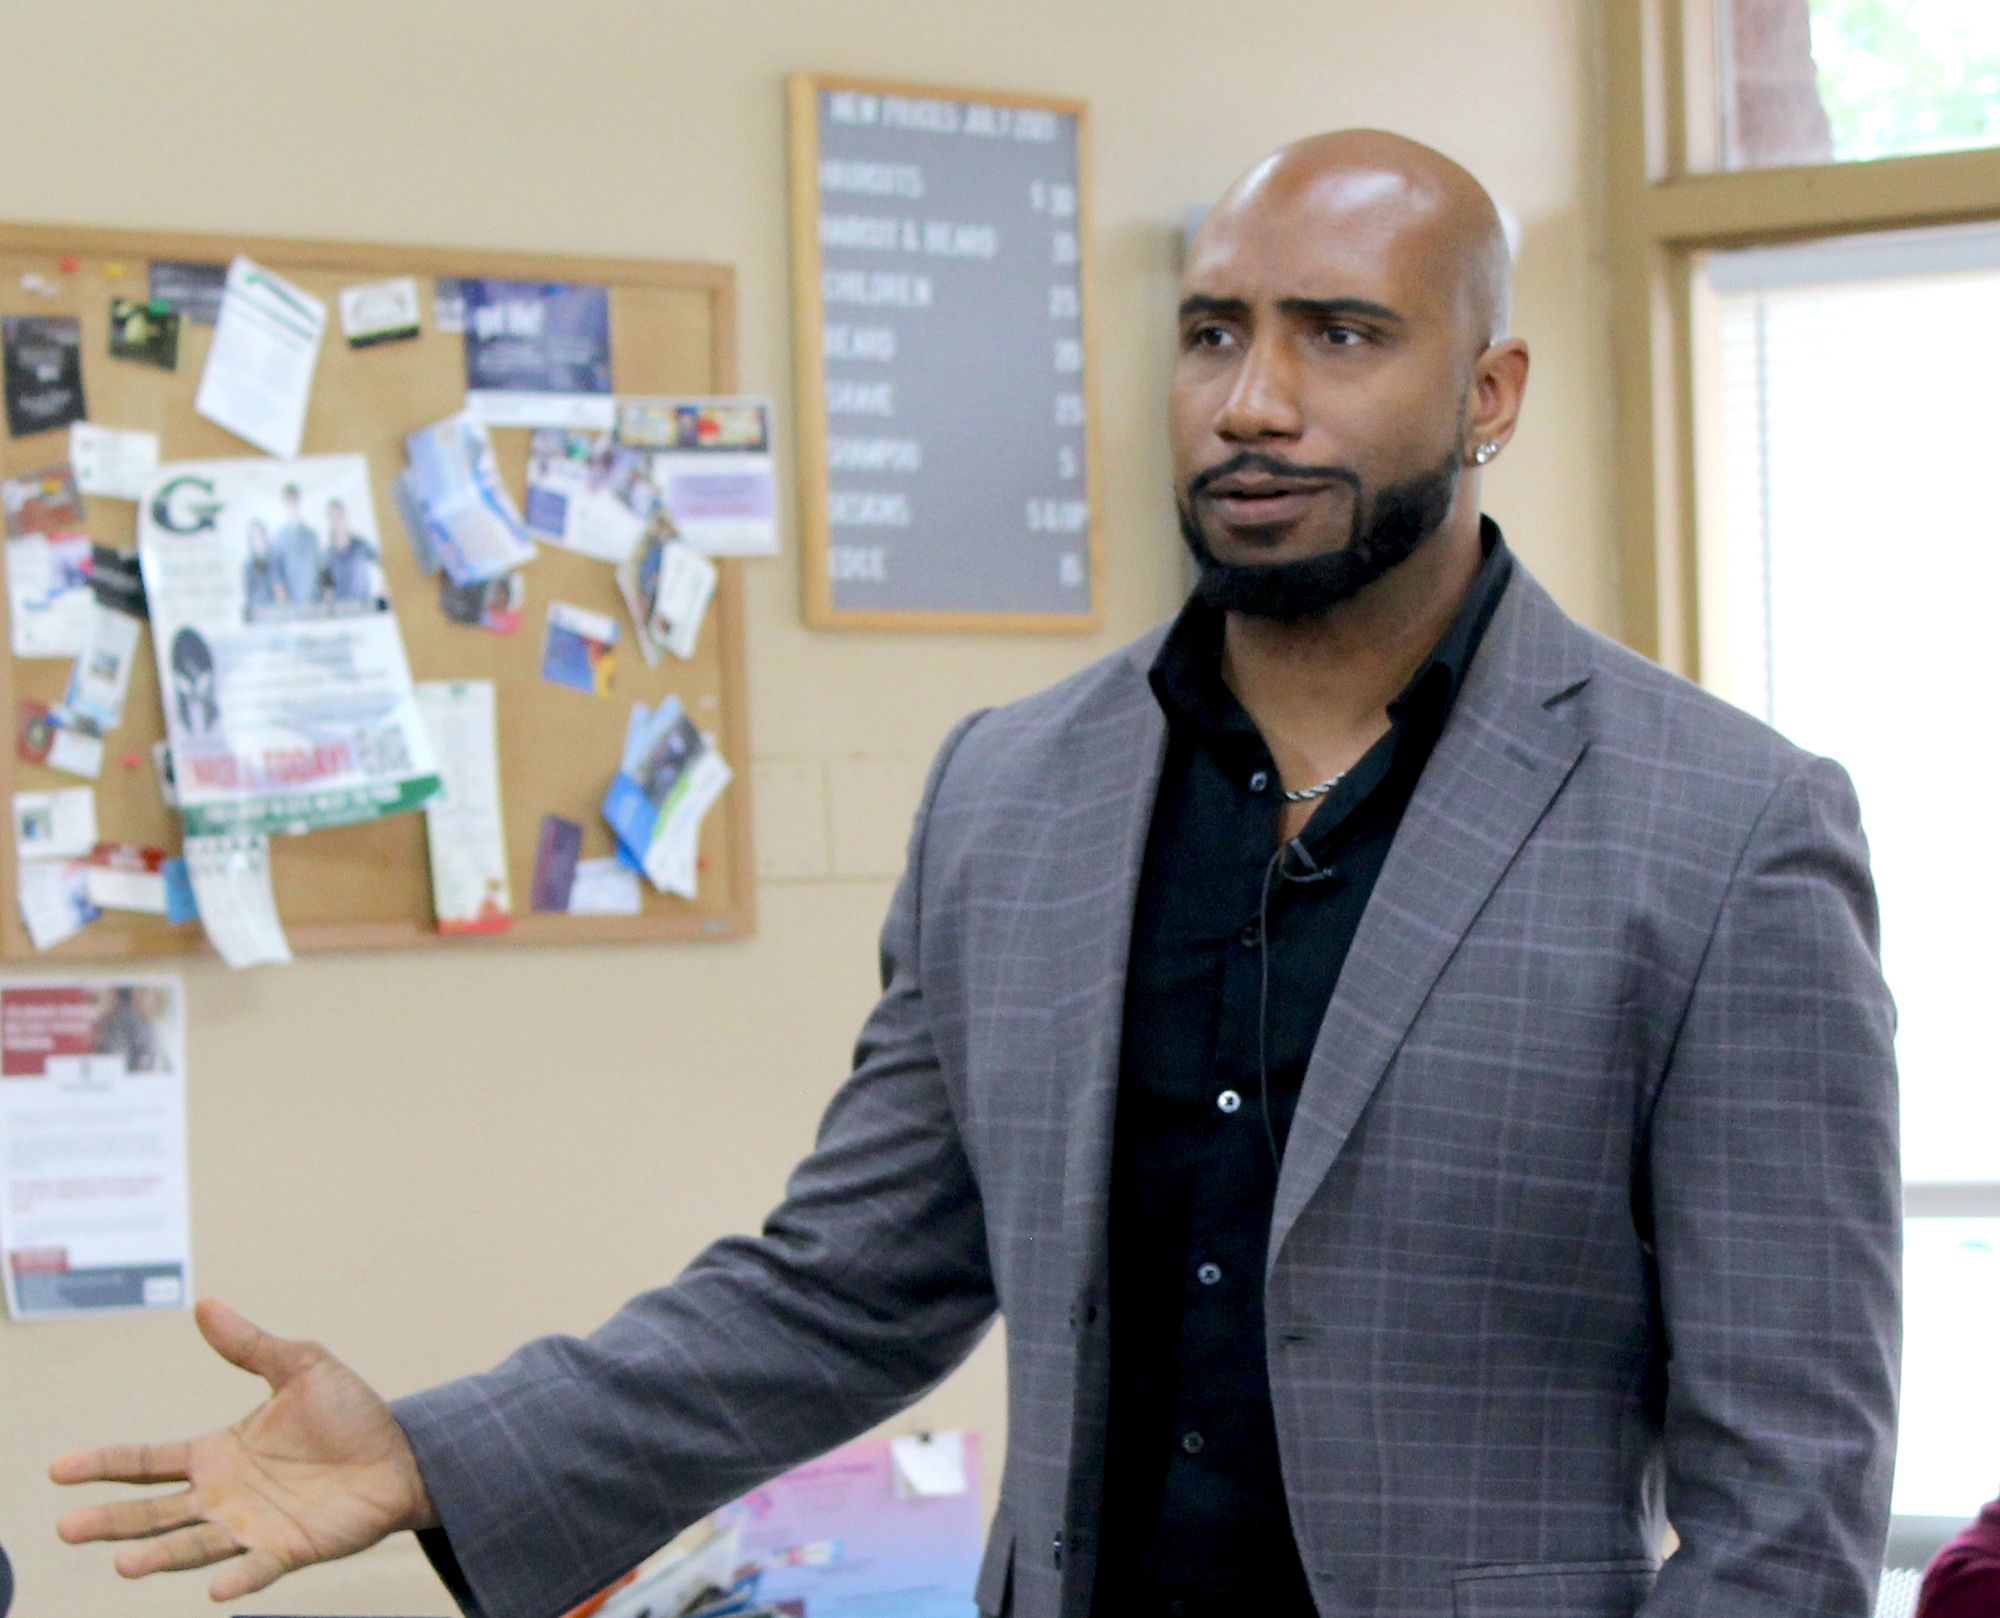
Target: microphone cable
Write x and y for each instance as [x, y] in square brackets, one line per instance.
[1275, 868]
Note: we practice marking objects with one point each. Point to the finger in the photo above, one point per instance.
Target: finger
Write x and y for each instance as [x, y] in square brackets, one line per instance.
[130, 1519]
[276, 1359]
[123, 1463]
[247, 1576]
[187, 1547]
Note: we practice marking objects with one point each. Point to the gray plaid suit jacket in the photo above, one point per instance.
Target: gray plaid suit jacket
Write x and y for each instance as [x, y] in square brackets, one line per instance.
[1589, 1215]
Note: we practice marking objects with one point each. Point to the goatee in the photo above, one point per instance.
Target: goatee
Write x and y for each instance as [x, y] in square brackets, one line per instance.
[1387, 531]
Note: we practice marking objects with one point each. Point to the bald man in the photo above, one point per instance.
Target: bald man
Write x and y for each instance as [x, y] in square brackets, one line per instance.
[1414, 1077]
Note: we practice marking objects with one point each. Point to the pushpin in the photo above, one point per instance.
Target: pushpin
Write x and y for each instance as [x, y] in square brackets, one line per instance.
[113, 271]
[159, 306]
[131, 761]
[67, 263]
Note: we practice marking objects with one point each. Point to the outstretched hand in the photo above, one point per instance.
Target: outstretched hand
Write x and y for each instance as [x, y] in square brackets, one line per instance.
[320, 1470]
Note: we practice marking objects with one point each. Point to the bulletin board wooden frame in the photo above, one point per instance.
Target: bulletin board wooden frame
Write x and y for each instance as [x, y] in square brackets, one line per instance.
[363, 887]
[809, 364]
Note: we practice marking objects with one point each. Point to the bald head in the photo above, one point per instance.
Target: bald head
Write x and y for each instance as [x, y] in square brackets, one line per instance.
[1380, 195]
[1343, 373]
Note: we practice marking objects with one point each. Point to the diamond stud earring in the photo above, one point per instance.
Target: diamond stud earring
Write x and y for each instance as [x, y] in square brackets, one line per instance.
[1485, 453]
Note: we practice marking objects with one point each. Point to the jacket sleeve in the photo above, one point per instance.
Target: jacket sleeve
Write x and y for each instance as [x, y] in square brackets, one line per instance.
[577, 1458]
[1776, 1201]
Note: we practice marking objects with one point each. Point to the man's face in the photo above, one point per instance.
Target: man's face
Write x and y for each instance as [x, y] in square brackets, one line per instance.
[1319, 393]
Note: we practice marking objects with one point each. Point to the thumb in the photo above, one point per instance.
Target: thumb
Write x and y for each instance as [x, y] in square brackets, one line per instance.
[276, 1359]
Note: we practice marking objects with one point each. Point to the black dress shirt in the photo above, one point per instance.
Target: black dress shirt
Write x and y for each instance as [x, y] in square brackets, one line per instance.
[1233, 961]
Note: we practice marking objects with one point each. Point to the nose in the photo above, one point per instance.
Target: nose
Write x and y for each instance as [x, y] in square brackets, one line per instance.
[1262, 402]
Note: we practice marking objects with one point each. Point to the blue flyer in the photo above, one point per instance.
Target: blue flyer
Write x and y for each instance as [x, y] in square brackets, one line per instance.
[537, 354]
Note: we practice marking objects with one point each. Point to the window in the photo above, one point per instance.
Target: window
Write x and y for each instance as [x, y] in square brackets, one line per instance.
[1850, 598]
[1803, 338]
[1825, 81]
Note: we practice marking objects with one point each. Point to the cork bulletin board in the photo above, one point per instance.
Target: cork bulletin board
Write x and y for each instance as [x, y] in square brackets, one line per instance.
[368, 886]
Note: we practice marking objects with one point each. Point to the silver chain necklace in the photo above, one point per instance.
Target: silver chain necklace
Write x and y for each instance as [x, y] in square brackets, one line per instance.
[1307, 794]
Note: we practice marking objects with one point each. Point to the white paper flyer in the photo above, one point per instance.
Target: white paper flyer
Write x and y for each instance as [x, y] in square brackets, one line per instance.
[93, 1147]
[287, 692]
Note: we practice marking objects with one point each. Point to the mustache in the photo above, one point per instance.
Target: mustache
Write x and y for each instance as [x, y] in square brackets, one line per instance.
[1251, 460]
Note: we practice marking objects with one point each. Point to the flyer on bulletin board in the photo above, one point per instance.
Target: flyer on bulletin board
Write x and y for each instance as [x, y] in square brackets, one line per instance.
[287, 692]
[93, 1147]
[883, 1528]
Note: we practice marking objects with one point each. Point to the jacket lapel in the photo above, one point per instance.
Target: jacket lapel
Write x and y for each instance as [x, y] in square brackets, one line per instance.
[1114, 755]
[1499, 763]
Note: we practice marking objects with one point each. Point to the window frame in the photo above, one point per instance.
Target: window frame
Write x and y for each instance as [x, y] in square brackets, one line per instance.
[1670, 201]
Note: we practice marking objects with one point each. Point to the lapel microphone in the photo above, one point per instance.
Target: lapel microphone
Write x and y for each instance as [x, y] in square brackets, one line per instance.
[1296, 850]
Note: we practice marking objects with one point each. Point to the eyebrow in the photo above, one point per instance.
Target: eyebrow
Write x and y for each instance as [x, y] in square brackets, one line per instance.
[1298, 308]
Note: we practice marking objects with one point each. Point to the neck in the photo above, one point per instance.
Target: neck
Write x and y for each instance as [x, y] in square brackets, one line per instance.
[1319, 690]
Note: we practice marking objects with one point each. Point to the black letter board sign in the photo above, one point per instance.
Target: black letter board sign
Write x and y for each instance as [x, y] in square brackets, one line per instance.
[941, 278]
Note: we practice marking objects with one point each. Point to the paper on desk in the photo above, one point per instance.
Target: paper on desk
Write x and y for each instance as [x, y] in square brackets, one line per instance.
[929, 1466]
[112, 462]
[93, 1147]
[55, 825]
[468, 839]
[258, 380]
[231, 874]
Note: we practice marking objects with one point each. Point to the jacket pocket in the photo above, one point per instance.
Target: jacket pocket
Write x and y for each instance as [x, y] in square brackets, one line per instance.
[1552, 1589]
[996, 1569]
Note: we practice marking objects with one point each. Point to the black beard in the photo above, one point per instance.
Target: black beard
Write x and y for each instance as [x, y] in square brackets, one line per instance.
[1386, 532]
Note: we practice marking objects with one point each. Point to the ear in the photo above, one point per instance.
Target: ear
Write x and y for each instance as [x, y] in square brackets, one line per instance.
[1493, 403]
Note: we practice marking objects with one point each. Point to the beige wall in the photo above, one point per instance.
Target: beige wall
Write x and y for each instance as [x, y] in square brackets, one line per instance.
[424, 1159]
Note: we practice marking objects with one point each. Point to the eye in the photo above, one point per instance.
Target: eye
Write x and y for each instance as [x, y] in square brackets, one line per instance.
[1208, 335]
[1338, 334]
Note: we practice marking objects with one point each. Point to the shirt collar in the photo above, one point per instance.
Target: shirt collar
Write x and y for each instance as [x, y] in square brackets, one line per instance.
[1187, 677]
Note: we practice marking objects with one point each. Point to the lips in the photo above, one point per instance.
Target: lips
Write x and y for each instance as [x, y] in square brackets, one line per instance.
[1252, 502]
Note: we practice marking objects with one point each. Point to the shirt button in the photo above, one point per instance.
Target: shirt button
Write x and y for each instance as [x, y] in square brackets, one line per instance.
[1192, 1443]
[1249, 935]
[1260, 780]
[1228, 1101]
[1209, 1274]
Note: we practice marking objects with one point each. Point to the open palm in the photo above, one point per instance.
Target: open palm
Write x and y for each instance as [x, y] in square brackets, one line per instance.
[320, 1470]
